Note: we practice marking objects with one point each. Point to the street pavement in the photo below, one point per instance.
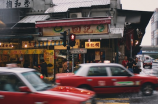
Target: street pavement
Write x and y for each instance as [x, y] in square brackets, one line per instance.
[132, 98]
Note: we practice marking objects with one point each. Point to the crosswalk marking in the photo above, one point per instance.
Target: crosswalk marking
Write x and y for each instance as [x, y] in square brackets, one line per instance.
[112, 100]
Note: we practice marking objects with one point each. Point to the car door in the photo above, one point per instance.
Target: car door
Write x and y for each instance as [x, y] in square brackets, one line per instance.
[120, 80]
[9, 90]
[97, 78]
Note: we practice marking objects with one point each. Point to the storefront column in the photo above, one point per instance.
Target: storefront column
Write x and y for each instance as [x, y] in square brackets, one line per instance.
[116, 50]
[83, 58]
[38, 58]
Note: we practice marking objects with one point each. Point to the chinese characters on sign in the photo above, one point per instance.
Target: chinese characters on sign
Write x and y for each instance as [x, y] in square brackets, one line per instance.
[92, 45]
[6, 46]
[86, 29]
[27, 44]
[18, 3]
[78, 51]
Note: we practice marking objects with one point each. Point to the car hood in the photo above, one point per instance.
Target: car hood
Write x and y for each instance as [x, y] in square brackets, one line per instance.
[69, 92]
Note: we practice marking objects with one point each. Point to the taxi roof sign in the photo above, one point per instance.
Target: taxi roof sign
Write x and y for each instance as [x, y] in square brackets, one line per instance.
[13, 65]
[106, 61]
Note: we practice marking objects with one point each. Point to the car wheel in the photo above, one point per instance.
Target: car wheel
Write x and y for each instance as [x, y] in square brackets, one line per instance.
[150, 67]
[143, 66]
[147, 89]
[87, 87]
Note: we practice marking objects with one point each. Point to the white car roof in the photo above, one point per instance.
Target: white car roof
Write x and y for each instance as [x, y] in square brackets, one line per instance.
[101, 64]
[15, 70]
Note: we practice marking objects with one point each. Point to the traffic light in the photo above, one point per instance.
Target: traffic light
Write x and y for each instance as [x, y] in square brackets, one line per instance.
[64, 38]
[72, 40]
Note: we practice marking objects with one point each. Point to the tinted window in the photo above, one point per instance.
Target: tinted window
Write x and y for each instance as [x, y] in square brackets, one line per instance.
[10, 83]
[97, 71]
[117, 71]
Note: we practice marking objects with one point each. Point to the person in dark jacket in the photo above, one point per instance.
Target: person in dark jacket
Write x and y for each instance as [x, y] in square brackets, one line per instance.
[130, 65]
[26, 64]
[44, 68]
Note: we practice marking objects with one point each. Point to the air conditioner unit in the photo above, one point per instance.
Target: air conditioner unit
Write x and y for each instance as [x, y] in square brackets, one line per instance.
[75, 15]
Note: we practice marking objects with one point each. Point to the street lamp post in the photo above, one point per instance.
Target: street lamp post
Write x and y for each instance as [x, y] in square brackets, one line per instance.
[131, 45]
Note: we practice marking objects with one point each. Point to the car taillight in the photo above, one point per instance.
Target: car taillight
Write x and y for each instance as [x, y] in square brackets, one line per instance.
[58, 81]
[41, 76]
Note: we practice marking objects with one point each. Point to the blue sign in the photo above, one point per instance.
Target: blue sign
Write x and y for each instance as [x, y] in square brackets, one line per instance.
[140, 52]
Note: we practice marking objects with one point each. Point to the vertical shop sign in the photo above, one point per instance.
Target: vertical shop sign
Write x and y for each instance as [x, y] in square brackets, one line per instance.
[49, 59]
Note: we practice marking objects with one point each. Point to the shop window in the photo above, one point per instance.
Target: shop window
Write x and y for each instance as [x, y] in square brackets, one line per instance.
[97, 71]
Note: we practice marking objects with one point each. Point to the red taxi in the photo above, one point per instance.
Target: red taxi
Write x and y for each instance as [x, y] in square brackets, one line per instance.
[24, 86]
[108, 78]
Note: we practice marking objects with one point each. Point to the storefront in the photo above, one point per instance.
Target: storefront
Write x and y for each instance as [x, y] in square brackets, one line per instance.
[94, 34]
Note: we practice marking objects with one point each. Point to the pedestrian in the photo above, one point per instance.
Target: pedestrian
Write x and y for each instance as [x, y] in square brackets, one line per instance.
[44, 68]
[125, 61]
[130, 65]
[136, 66]
[26, 64]
[64, 66]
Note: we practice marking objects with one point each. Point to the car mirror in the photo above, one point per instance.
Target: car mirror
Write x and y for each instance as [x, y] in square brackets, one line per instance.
[24, 89]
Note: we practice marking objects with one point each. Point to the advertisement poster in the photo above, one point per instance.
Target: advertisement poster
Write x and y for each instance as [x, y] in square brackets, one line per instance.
[97, 55]
[49, 59]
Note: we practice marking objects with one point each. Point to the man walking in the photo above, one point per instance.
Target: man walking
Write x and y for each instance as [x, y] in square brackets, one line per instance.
[44, 68]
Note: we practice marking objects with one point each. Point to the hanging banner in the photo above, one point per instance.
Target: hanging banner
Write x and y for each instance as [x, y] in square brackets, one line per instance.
[49, 59]
[92, 45]
[27, 51]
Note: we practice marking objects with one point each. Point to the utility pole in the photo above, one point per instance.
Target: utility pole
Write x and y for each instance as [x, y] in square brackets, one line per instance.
[68, 48]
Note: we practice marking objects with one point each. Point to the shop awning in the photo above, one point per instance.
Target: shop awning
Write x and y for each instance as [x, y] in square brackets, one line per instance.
[34, 18]
[73, 22]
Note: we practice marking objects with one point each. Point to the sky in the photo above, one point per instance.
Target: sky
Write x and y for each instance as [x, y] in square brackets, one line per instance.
[142, 5]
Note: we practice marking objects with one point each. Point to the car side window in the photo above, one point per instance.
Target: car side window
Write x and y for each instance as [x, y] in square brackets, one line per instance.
[97, 71]
[10, 83]
[118, 71]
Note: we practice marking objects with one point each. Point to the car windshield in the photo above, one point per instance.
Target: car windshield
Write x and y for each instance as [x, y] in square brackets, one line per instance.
[76, 69]
[36, 81]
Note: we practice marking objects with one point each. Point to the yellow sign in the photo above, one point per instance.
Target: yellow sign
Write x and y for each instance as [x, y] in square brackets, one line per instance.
[92, 45]
[27, 44]
[87, 29]
[49, 59]
[27, 51]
